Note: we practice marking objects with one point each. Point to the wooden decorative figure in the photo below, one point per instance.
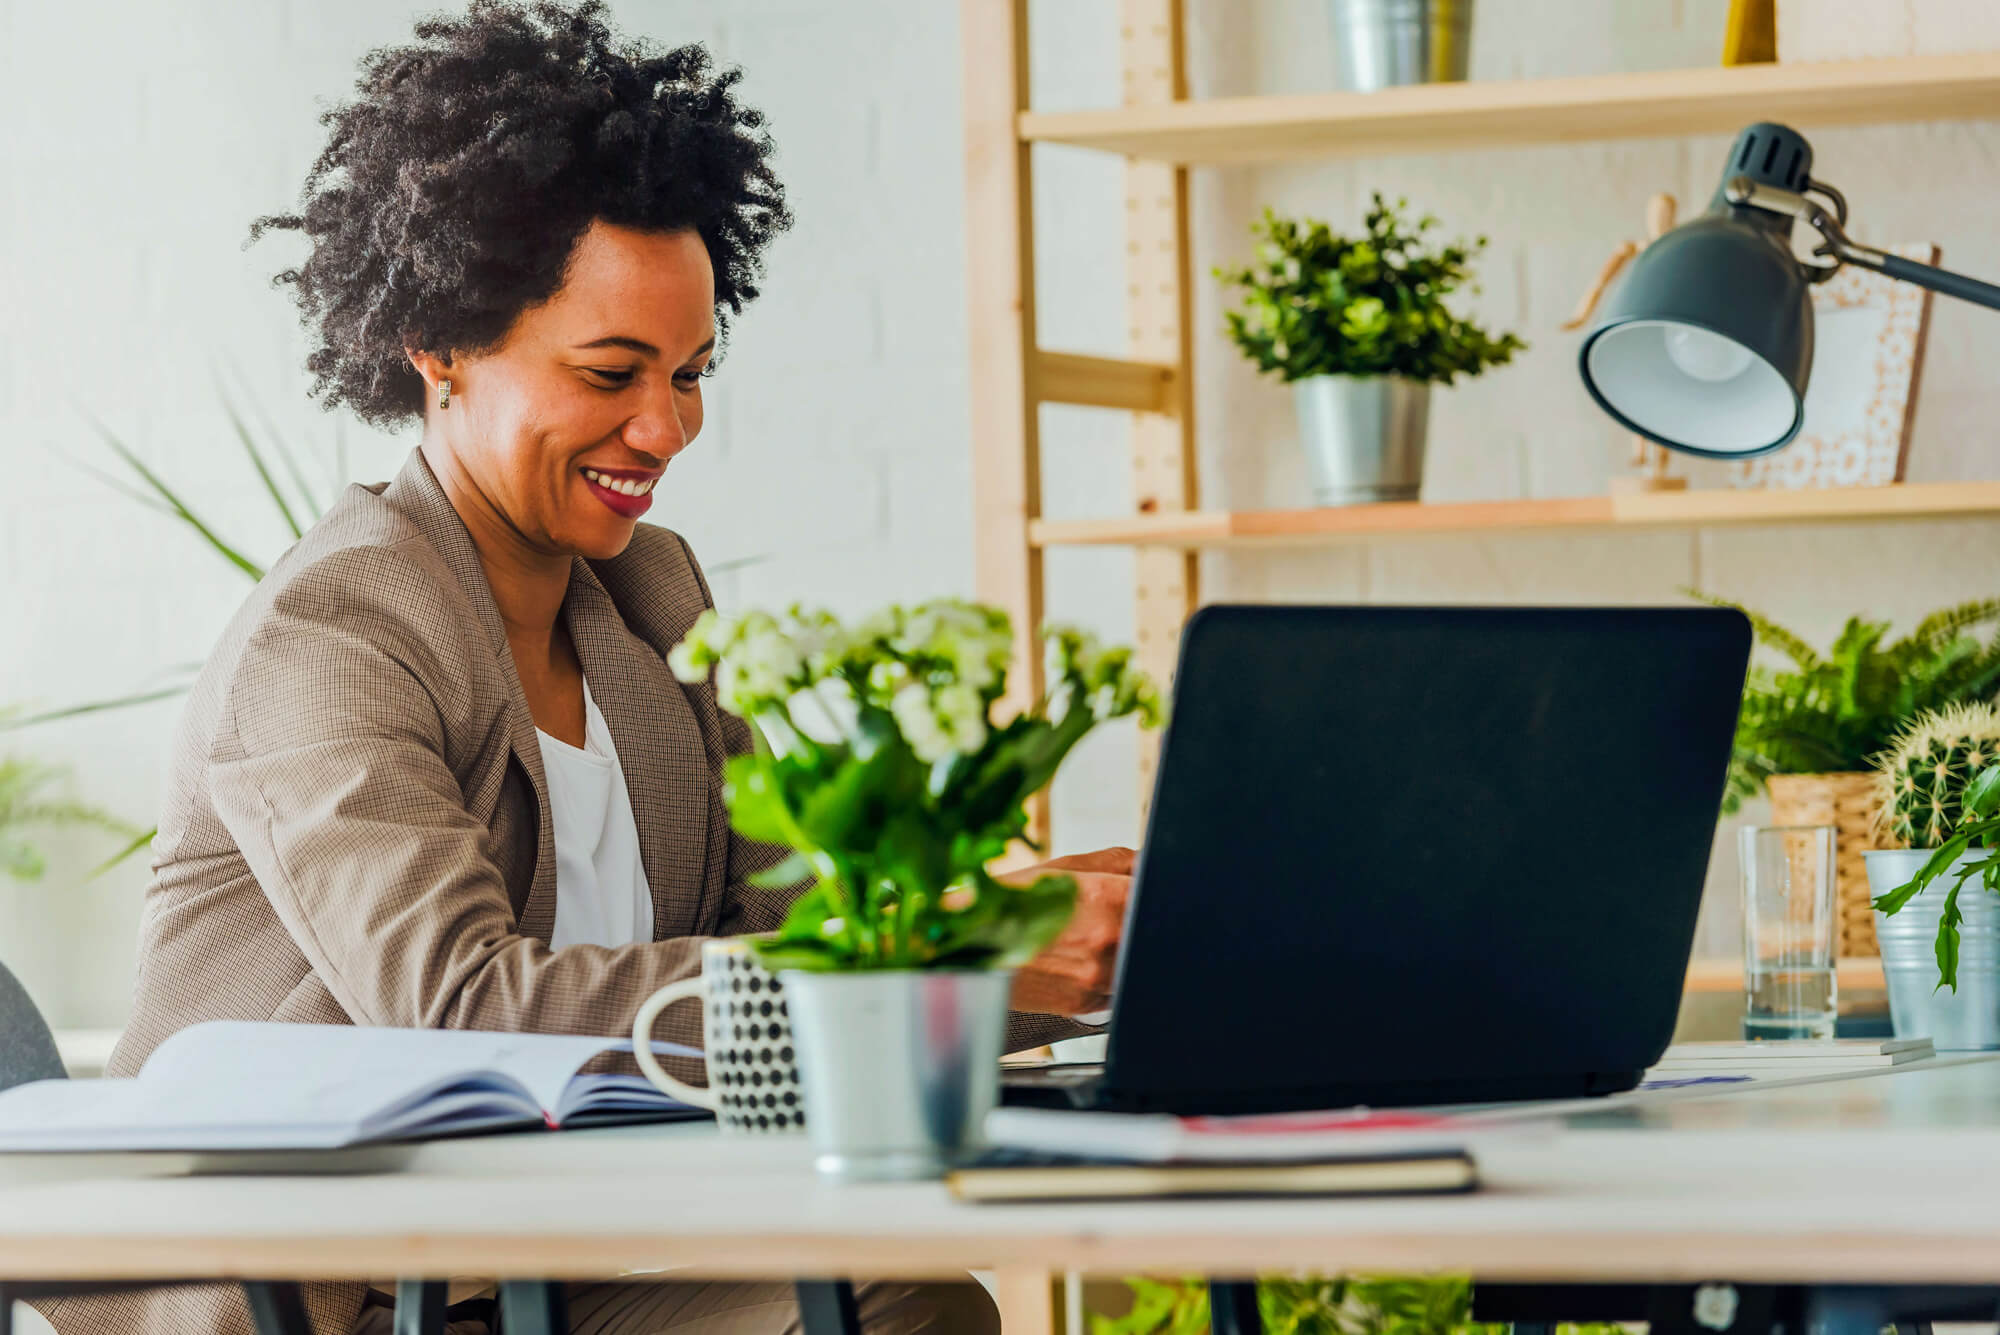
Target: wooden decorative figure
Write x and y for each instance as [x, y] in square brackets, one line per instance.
[1649, 461]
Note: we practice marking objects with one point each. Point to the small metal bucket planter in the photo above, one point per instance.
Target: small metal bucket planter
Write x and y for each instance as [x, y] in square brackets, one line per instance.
[899, 1066]
[1364, 436]
[1968, 1019]
[1382, 43]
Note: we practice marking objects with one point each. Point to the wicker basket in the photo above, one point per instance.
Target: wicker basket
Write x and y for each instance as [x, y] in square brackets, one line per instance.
[1845, 801]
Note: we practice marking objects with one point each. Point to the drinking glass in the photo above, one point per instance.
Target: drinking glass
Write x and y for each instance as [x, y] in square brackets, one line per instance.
[1788, 931]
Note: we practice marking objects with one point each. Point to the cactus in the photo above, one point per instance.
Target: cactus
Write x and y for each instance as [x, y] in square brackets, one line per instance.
[1920, 780]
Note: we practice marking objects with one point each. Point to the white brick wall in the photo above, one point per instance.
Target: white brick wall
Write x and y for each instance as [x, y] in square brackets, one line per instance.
[141, 138]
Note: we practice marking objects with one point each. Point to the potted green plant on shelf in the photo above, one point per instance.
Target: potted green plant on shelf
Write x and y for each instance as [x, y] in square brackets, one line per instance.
[1938, 788]
[877, 761]
[1360, 327]
[1812, 724]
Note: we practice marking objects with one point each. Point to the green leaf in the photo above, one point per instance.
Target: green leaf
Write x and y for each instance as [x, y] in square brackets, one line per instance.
[785, 875]
[20, 860]
[271, 488]
[139, 841]
[1982, 795]
[1934, 867]
[93, 707]
[1947, 939]
[174, 502]
[756, 806]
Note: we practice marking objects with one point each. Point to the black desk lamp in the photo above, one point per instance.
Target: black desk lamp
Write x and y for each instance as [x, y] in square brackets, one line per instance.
[1707, 344]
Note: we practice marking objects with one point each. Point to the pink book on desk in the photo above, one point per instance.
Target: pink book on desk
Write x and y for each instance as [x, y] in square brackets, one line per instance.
[1266, 1138]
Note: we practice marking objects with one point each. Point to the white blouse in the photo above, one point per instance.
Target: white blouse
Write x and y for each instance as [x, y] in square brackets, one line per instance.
[602, 898]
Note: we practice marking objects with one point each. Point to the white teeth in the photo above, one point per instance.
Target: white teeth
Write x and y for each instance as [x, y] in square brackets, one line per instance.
[624, 486]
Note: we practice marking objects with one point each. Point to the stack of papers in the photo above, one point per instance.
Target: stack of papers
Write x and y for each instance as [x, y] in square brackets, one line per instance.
[1785, 1059]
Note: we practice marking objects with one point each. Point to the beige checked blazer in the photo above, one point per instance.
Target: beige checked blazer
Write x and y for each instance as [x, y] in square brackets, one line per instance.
[356, 826]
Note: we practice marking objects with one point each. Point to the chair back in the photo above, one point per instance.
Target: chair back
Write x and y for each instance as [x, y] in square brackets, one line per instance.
[27, 1048]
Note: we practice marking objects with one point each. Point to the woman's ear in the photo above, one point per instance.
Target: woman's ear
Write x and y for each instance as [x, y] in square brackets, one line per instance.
[430, 366]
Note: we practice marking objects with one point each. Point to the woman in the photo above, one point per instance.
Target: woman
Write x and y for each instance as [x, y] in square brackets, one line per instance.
[394, 794]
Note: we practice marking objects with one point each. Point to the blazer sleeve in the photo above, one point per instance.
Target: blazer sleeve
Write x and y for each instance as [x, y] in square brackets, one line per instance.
[332, 772]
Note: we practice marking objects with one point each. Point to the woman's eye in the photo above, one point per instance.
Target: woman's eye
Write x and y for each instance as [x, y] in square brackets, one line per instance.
[689, 379]
[615, 377]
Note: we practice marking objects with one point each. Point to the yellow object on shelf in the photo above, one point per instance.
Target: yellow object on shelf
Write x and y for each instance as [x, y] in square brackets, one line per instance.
[1751, 37]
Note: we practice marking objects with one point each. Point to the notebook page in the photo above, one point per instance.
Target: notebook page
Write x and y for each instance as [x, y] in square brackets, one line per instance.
[358, 1069]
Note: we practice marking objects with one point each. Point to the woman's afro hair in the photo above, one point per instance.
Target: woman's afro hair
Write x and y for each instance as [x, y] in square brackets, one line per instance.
[454, 186]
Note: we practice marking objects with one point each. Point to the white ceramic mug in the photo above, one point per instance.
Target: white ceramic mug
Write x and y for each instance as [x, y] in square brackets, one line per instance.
[753, 1077]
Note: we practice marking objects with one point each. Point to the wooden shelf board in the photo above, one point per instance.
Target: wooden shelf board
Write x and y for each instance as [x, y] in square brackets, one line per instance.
[1216, 528]
[1496, 114]
[1862, 974]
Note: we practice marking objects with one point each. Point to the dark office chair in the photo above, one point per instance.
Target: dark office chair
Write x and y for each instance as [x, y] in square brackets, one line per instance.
[27, 1048]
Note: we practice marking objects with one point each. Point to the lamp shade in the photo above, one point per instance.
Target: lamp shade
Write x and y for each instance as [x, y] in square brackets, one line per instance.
[1706, 343]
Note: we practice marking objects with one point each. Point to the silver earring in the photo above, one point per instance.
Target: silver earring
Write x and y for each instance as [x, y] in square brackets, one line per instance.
[444, 394]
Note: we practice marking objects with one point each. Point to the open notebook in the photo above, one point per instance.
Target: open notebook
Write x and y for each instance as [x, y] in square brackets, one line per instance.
[238, 1085]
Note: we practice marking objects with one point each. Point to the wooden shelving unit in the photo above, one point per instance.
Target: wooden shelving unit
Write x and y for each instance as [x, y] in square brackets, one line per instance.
[1434, 118]
[1672, 509]
[1162, 133]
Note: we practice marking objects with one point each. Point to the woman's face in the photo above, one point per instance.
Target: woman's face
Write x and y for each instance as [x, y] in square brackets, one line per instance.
[561, 432]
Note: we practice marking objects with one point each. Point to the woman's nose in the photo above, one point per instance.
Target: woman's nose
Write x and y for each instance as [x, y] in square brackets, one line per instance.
[660, 428]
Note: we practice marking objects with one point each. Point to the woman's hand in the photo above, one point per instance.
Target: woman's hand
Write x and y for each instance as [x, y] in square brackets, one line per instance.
[1073, 974]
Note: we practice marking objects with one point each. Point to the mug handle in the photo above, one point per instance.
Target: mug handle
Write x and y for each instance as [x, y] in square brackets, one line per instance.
[642, 1044]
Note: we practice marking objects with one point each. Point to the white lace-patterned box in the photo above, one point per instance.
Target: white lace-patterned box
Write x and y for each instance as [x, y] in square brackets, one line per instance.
[1868, 350]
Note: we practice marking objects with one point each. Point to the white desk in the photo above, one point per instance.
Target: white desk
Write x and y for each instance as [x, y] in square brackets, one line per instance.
[1893, 1179]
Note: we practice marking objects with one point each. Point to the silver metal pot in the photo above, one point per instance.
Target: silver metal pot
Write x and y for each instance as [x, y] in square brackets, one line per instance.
[1969, 1018]
[1363, 436]
[900, 1067]
[1381, 43]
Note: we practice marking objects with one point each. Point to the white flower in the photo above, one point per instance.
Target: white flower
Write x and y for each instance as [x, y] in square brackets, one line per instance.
[962, 712]
[687, 661]
[710, 634]
[974, 639]
[824, 711]
[1715, 1306]
[888, 676]
[918, 721]
[767, 658]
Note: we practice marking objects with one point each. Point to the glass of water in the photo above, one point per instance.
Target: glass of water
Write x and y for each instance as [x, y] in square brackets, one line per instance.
[1788, 931]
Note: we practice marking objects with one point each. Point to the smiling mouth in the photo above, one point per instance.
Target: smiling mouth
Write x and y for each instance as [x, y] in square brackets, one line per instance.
[626, 497]
[625, 486]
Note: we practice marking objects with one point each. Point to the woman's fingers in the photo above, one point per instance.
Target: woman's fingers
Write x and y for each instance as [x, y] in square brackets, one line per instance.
[1074, 972]
[1117, 860]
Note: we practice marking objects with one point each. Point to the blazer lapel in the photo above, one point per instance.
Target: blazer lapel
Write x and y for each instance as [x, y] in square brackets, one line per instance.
[417, 493]
[659, 746]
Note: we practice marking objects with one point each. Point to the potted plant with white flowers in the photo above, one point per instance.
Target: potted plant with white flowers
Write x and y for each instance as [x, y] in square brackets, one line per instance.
[878, 762]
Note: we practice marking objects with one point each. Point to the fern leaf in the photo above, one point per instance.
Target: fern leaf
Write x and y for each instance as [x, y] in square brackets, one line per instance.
[1769, 633]
[1951, 620]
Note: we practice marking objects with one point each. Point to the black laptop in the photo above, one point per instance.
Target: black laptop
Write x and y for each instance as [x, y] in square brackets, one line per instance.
[1417, 855]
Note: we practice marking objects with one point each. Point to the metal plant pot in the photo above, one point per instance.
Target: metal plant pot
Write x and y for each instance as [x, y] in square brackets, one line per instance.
[1363, 436]
[900, 1067]
[1969, 1018]
[1381, 43]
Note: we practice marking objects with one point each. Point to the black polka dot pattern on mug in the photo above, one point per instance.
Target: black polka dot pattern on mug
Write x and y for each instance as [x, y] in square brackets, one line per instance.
[749, 1047]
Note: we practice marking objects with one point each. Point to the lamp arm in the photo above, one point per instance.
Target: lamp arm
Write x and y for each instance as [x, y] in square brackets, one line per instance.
[1743, 191]
[1924, 275]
